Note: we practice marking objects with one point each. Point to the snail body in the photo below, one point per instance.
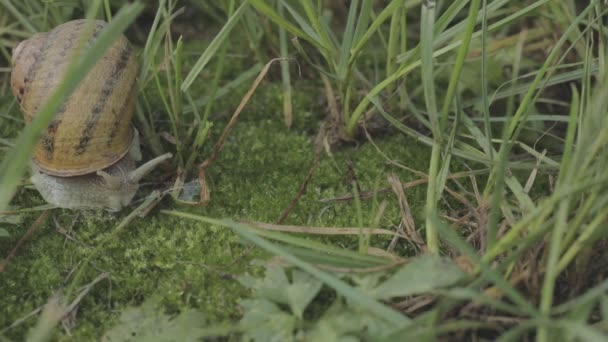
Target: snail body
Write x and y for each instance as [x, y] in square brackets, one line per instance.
[111, 188]
[86, 157]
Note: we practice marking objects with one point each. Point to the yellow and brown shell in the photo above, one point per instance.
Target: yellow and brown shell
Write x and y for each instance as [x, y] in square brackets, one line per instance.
[92, 129]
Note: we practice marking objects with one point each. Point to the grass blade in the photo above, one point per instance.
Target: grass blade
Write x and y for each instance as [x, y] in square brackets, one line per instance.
[463, 247]
[213, 47]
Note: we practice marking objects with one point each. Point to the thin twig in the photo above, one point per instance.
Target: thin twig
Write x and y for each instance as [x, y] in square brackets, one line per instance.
[85, 290]
[26, 236]
[301, 191]
[220, 142]
[205, 196]
[65, 312]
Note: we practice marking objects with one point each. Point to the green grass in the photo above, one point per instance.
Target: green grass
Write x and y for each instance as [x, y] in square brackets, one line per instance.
[503, 102]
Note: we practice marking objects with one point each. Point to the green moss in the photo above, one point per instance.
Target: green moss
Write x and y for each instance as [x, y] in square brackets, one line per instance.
[187, 263]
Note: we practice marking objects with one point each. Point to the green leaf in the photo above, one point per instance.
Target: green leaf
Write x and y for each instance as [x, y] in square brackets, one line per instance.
[302, 291]
[580, 315]
[347, 39]
[346, 322]
[265, 321]
[270, 13]
[303, 24]
[4, 233]
[423, 274]
[277, 288]
[148, 323]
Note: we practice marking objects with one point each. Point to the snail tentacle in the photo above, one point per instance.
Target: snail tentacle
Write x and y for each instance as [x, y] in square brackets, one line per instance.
[143, 170]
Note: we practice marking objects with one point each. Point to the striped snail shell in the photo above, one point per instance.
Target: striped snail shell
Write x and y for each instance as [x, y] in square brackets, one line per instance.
[86, 157]
[92, 129]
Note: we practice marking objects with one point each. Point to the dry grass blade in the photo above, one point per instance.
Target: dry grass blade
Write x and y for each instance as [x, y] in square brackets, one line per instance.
[39, 221]
[329, 132]
[322, 230]
[220, 142]
[205, 192]
[406, 216]
[301, 191]
[55, 311]
[406, 185]
[349, 270]
[86, 289]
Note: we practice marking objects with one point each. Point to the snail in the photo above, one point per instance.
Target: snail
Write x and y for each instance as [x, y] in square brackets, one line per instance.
[86, 157]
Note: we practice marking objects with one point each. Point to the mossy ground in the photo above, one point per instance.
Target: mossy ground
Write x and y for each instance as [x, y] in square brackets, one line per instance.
[184, 262]
[536, 81]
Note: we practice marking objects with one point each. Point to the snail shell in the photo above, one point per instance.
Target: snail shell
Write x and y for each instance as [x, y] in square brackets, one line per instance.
[92, 129]
[86, 158]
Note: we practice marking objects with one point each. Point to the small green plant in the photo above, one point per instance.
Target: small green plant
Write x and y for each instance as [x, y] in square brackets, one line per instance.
[148, 322]
[281, 300]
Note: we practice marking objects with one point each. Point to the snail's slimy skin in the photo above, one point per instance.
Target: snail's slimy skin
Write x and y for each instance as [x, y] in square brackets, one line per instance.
[87, 191]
